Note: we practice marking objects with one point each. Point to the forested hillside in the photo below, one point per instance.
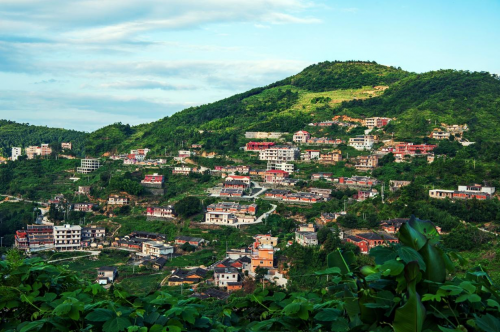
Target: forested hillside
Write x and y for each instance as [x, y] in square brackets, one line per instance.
[23, 135]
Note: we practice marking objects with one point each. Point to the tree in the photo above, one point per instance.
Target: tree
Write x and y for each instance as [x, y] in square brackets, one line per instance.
[260, 272]
[188, 247]
[349, 220]
[188, 206]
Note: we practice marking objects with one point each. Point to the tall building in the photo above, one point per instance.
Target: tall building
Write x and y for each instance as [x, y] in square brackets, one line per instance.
[88, 166]
[16, 152]
[67, 237]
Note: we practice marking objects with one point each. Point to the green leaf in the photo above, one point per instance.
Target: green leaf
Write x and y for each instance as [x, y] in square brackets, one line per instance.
[454, 290]
[116, 324]
[36, 325]
[493, 303]
[292, 308]
[424, 227]
[62, 309]
[444, 329]
[383, 254]
[488, 323]
[336, 259]
[410, 317]
[173, 328]
[468, 286]
[100, 315]
[411, 237]
[394, 266]
[330, 270]
[408, 255]
[328, 315]
[435, 266]
[303, 312]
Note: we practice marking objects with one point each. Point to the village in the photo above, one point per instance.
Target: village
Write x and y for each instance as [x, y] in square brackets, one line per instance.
[297, 174]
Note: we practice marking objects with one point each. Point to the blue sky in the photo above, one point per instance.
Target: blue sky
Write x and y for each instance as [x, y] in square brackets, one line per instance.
[85, 64]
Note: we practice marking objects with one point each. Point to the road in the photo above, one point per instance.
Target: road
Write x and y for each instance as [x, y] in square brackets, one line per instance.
[92, 253]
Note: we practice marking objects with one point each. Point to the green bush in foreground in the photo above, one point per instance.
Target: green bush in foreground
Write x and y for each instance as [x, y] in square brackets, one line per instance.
[409, 289]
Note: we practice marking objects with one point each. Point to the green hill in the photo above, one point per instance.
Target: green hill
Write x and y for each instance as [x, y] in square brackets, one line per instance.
[23, 135]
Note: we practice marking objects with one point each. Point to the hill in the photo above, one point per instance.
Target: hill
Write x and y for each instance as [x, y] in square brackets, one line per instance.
[23, 135]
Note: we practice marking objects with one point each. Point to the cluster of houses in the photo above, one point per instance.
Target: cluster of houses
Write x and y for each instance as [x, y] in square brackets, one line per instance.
[304, 137]
[230, 214]
[476, 191]
[35, 151]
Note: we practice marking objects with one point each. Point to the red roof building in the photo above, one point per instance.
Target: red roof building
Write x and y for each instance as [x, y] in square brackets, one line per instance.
[256, 146]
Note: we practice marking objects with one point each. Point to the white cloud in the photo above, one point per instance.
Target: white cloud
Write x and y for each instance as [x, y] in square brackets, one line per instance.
[146, 84]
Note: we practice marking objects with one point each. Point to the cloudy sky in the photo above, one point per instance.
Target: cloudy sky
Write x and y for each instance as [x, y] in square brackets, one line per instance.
[83, 64]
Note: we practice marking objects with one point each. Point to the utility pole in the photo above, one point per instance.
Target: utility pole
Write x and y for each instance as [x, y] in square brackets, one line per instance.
[383, 185]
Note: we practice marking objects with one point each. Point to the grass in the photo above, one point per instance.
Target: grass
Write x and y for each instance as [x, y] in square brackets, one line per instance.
[143, 284]
[487, 259]
[202, 257]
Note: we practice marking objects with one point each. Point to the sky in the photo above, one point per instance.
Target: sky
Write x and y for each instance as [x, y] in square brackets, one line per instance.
[84, 64]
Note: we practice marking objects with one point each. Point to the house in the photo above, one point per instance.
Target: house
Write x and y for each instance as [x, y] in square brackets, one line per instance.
[276, 194]
[366, 241]
[160, 212]
[118, 200]
[16, 153]
[257, 146]
[42, 150]
[35, 238]
[301, 137]
[303, 197]
[263, 256]
[392, 226]
[67, 237]
[156, 249]
[159, 263]
[235, 184]
[306, 235]
[263, 135]
[412, 149]
[363, 142]
[395, 185]
[287, 167]
[321, 192]
[281, 153]
[357, 181]
[325, 140]
[309, 155]
[148, 236]
[235, 208]
[194, 241]
[140, 151]
[66, 146]
[332, 157]
[238, 253]
[181, 170]
[106, 274]
[245, 179]
[331, 217]
[225, 275]
[365, 194]
[266, 239]
[83, 207]
[88, 165]
[289, 182]
[439, 134]
[258, 172]
[366, 163]
[464, 192]
[275, 176]
[193, 276]
[227, 218]
[228, 192]
[153, 180]
[93, 232]
[185, 153]
[321, 176]
[84, 190]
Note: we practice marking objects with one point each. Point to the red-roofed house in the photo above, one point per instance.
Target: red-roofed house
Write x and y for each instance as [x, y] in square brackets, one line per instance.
[256, 146]
[276, 176]
[301, 136]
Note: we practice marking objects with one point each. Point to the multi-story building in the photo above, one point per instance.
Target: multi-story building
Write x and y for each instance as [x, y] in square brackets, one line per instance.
[332, 157]
[93, 232]
[194, 241]
[439, 134]
[232, 207]
[156, 249]
[266, 239]
[66, 146]
[301, 137]
[229, 192]
[395, 185]
[306, 235]
[363, 142]
[88, 166]
[275, 176]
[322, 176]
[280, 153]
[83, 207]
[365, 194]
[325, 140]
[182, 170]
[118, 200]
[35, 238]
[227, 218]
[106, 275]
[242, 178]
[366, 163]
[262, 256]
[286, 167]
[224, 276]
[321, 192]
[309, 155]
[357, 181]
[257, 146]
[375, 122]
[163, 212]
[67, 237]
[42, 150]
[185, 154]
[84, 190]
[16, 153]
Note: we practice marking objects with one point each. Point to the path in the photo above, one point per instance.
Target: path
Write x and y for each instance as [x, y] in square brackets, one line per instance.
[92, 253]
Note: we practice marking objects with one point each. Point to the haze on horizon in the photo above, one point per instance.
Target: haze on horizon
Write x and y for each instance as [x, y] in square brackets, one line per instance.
[85, 64]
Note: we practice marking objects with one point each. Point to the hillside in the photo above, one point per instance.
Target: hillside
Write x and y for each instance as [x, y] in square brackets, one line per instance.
[23, 135]
[320, 91]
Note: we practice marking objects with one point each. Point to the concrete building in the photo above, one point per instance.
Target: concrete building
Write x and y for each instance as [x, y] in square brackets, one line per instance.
[88, 166]
[263, 135]
[362, 142]
[83, 207]
[16, 153]
[156, 249]
[280, 154]
[84, 190]
[301, 137]
[93, 232]
[35, 238]
[227, 218]
[306, 235]
[106, 275]
[464, 192]
[163, 212]
[118, 200]
[366, 163]
[223, 276]
[375, 122]
[67, 237]
[332, 157]
[286, 167]
[66, 146]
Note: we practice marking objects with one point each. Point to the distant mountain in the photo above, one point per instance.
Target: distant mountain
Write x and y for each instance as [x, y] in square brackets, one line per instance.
[420, 102]
[22, 135]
